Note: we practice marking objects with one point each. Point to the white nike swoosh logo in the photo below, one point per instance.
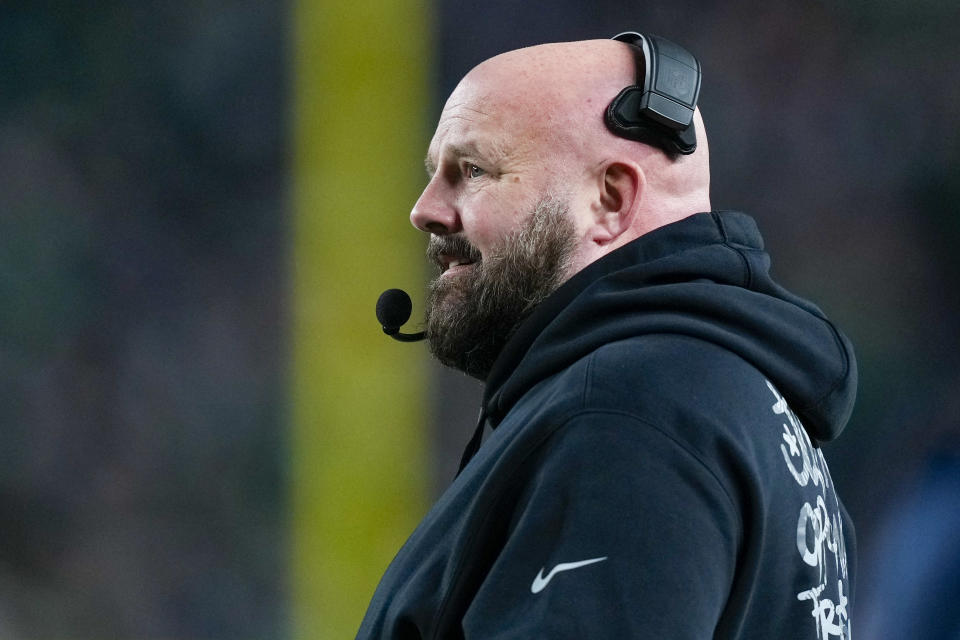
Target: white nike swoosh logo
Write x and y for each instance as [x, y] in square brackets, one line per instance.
[540, 582]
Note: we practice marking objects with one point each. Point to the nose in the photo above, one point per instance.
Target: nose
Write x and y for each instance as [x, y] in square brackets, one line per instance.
[434, 212]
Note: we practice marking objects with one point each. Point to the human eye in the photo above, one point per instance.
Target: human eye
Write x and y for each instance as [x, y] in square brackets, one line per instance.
[473, 171]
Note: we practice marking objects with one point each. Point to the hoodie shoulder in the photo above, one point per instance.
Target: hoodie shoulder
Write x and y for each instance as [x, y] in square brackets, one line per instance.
[681, 384]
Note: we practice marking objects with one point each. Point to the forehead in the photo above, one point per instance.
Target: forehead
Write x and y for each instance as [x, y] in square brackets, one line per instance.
[481, 122]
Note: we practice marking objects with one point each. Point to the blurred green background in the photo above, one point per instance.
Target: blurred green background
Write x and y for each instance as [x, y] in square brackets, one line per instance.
[204, 432]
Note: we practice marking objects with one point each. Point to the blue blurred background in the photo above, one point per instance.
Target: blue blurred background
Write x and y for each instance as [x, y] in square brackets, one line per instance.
[145, 235]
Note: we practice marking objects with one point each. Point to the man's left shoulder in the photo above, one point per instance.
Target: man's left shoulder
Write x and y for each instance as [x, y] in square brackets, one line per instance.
[672, 373]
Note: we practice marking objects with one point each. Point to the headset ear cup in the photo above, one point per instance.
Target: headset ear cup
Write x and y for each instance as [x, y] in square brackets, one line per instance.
[623, 118]
[658, 110]
[623, 110]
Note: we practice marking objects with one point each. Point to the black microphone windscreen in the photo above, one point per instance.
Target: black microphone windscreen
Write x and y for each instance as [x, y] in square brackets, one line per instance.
[393, 308]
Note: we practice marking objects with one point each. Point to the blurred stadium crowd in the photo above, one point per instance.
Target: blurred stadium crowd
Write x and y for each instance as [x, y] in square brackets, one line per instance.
[143, 175]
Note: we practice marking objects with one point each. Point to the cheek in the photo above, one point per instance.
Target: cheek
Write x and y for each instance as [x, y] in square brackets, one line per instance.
[488, 219]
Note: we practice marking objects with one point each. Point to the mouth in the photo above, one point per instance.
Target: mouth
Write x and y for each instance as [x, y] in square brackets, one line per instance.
[452, 253]
[452, 264]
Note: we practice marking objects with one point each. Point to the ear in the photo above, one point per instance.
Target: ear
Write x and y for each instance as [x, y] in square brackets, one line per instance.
[621, 186]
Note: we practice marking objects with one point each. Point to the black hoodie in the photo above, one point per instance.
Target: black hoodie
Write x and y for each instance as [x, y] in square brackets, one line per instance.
[654, 469]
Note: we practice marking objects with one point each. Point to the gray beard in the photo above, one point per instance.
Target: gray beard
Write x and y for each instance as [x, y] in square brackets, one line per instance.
[471, 316]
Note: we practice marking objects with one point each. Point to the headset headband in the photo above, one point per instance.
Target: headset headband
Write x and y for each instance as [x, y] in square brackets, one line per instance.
[658, 110]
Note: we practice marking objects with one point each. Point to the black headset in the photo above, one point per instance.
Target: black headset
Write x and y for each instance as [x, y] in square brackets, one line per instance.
[658, 110]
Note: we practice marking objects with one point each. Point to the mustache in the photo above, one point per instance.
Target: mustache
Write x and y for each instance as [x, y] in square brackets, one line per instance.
[455, 245]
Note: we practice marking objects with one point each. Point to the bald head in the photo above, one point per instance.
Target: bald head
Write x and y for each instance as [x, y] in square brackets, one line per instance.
[533, 120]
[560, 91]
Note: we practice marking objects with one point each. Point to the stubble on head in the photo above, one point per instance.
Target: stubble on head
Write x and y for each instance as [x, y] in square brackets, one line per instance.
[472, 315]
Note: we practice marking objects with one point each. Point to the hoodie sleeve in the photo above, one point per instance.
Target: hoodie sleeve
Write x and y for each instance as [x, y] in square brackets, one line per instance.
[619, 532]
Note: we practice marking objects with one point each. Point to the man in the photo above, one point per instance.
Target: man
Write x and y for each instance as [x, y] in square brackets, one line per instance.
[655, 398]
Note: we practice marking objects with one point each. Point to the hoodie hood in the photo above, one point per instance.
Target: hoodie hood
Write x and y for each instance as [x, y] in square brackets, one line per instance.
[707, 277]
